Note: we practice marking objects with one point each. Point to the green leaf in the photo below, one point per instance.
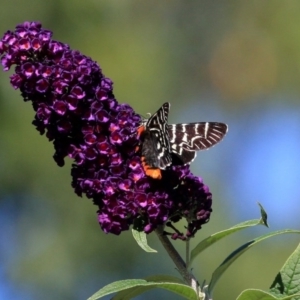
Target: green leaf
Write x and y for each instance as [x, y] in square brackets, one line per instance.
[238, 252]
[142, 286]
[221, 234]
[291, 297]
[141, 239]
[254, 294]
[287, 281]
[294, 297]
[133, 292]
[264, 216]
[162, 278]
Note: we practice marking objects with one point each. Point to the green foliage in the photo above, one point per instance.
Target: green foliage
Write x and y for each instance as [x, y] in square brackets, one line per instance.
[287, 281]
[253, 294]
[141, 239]
[133, 287]
[241, 250]
[220, 235]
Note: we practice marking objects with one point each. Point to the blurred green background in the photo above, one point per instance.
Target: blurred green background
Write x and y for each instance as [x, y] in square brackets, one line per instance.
[236, 62]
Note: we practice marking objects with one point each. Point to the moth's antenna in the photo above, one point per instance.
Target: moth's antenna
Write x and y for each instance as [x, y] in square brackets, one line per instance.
[145, 118]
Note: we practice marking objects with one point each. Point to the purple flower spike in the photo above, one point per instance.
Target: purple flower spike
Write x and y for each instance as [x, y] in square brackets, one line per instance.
[76, 108]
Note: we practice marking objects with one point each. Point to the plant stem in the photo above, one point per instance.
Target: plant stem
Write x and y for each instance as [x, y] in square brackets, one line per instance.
[187, 252]
[180, 264]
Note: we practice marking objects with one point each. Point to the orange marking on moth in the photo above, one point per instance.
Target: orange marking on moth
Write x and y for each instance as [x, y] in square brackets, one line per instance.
[154, 173]
[140, 130]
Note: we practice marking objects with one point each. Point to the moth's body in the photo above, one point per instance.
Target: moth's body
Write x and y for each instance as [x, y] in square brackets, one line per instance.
[149, 149]
[150, 160]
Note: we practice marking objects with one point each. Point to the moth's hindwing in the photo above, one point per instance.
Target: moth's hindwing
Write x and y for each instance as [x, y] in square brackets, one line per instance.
[192, 137]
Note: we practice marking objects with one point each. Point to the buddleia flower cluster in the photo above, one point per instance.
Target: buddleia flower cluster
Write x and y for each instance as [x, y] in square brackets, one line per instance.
[76, 109]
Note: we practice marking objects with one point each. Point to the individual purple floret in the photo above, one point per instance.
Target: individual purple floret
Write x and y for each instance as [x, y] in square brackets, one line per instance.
[76, 109]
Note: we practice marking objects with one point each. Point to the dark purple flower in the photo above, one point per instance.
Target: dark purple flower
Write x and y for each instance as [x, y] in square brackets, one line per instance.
[76, 108]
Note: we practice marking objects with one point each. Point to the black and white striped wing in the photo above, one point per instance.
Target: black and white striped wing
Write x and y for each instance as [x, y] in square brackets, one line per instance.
[157, 130]
[186, 139]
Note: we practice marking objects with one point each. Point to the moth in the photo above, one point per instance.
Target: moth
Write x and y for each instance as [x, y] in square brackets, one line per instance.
[164, 144]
